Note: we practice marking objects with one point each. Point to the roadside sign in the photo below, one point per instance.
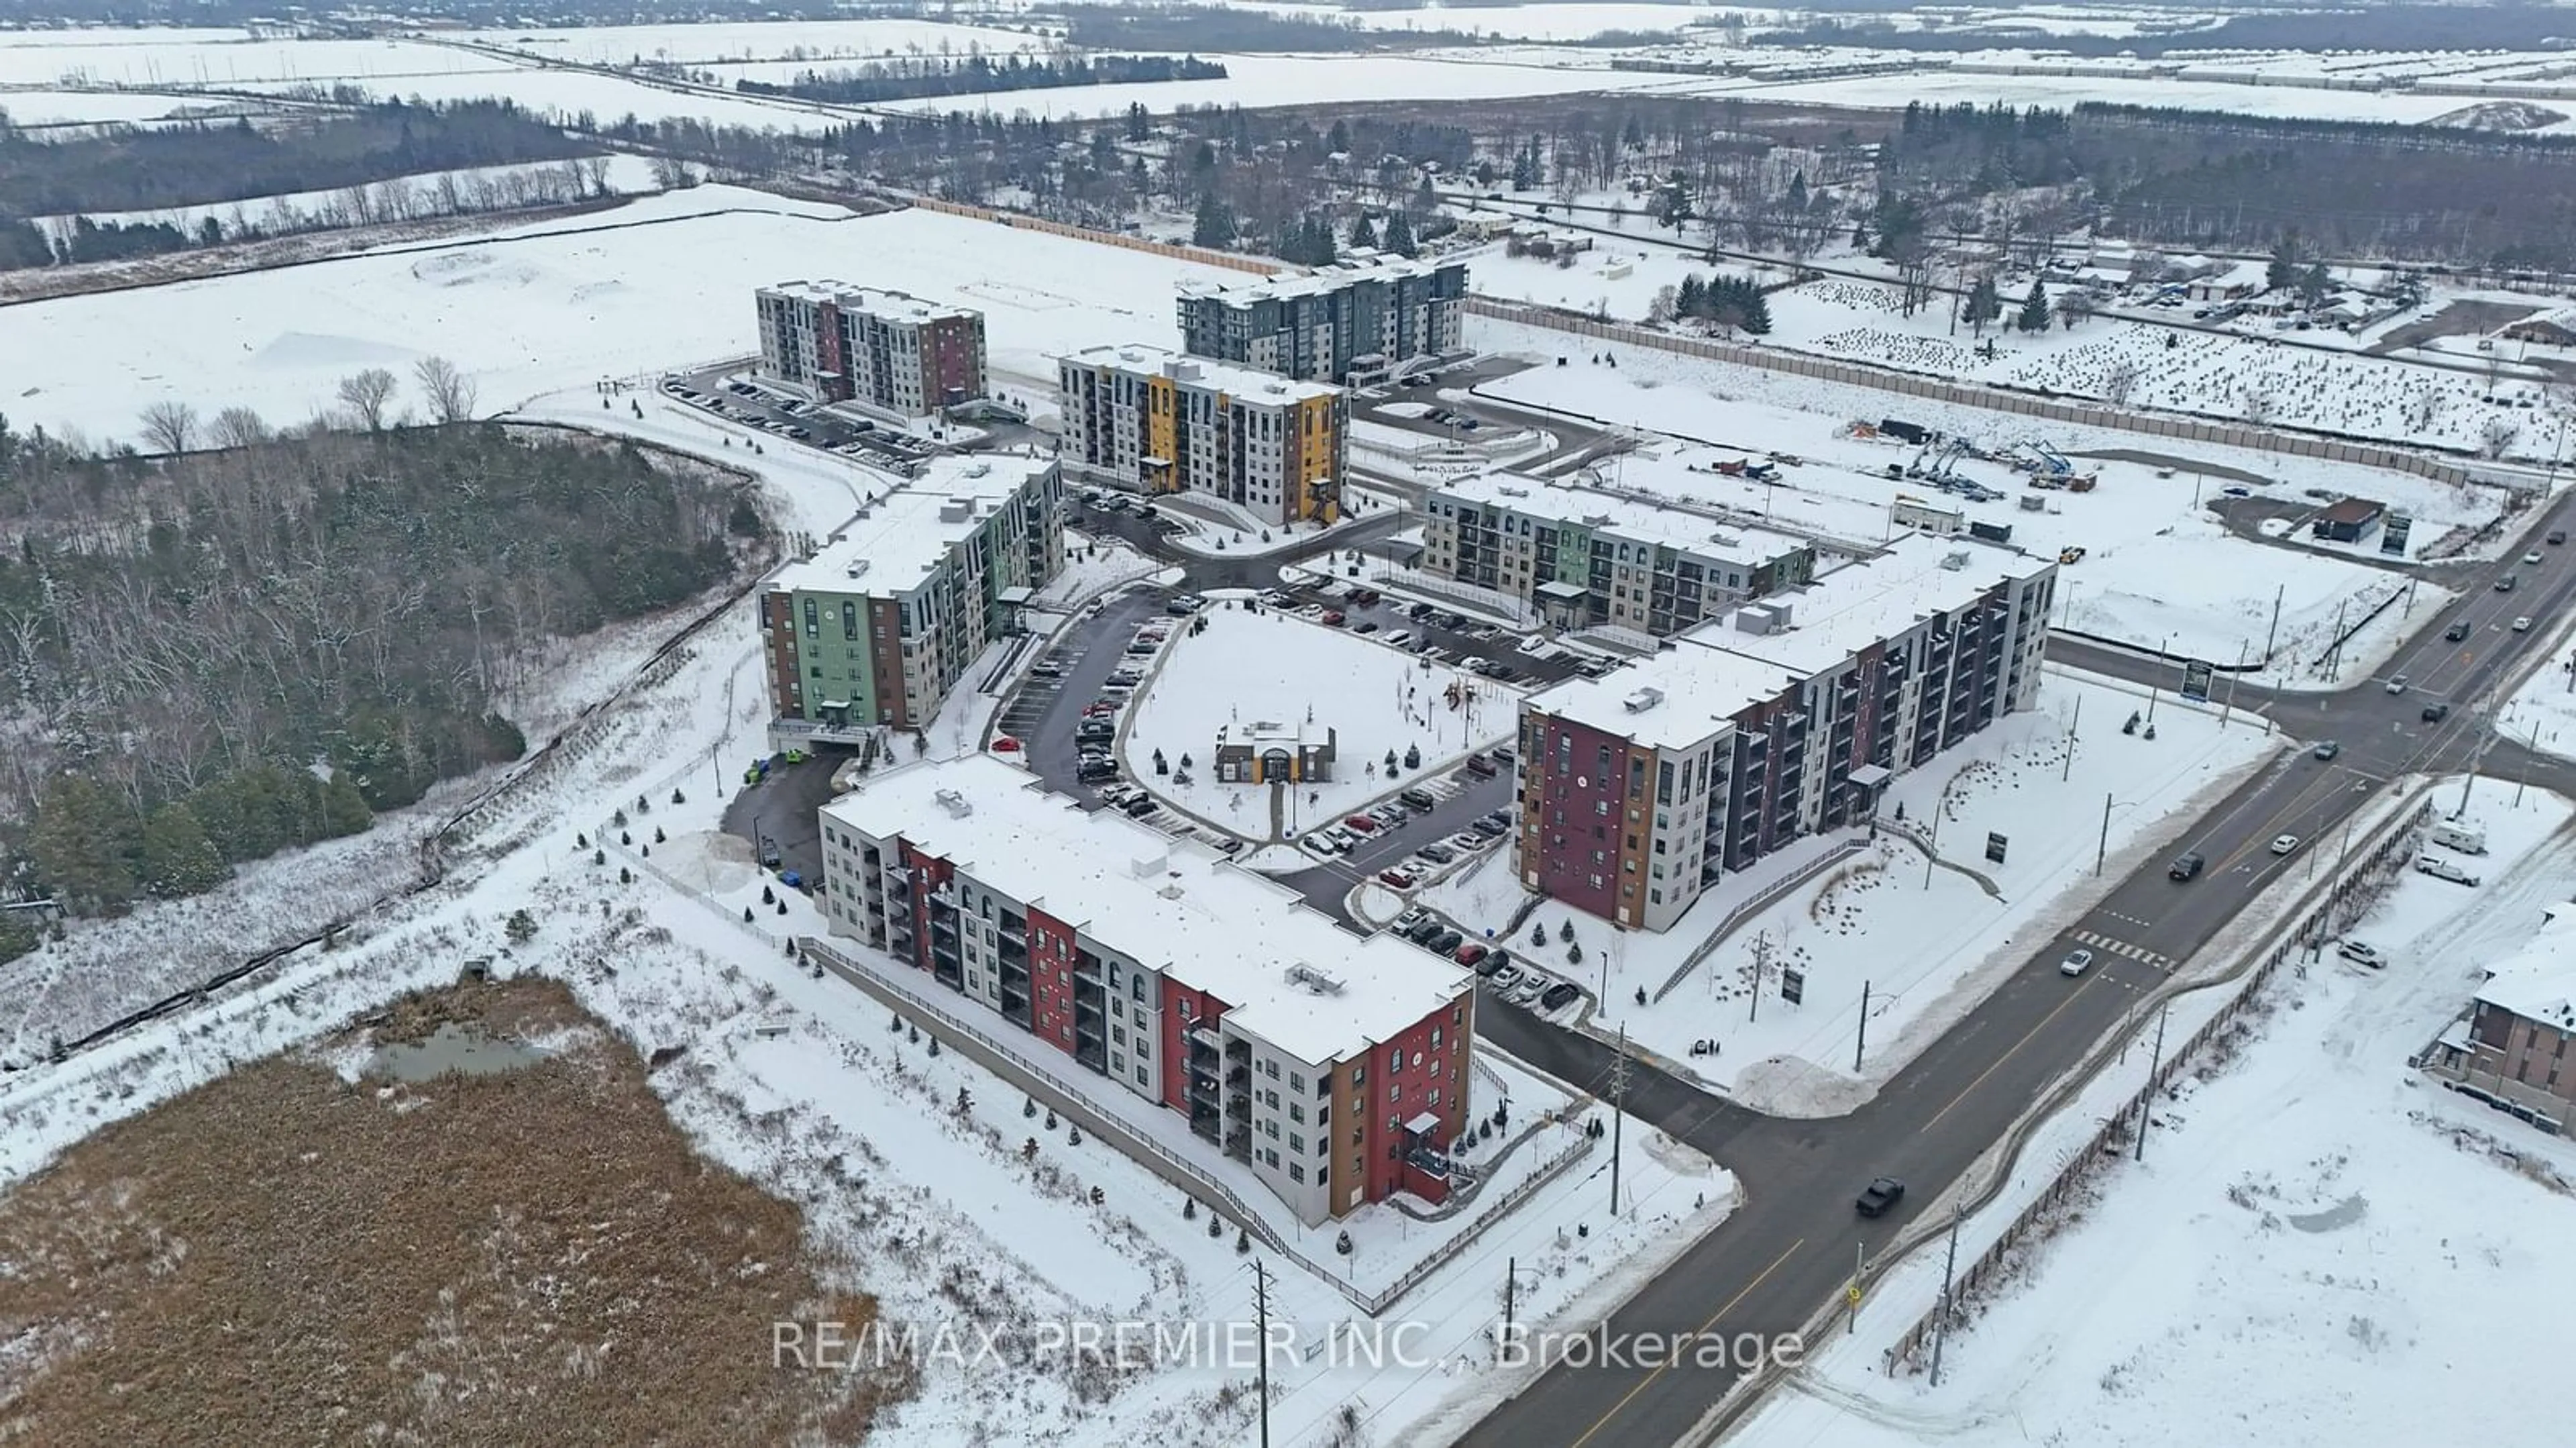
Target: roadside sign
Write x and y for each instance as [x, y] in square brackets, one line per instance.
[1995, 848]
[1793, 986]
[2392, 534]
[2195, 680]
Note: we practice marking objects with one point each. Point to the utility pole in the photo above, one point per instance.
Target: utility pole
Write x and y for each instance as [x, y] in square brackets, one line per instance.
[2068, 772]
[2533, 748]
[1932, 851]
[2229, 707]
[2155, 681]
[1261, 1309]
[1949, 1271]
[1861, 1044]
[2272, 635]
[2154, 1065]
[2103, 848]
[1619, 1107]
[1762, 965]
[1851, 1299]
[2334, 650]
[1511, 1285]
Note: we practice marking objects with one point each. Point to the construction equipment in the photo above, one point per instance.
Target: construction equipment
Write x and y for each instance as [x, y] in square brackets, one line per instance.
[2052, 459]
[2070, 555]
[2081, 482]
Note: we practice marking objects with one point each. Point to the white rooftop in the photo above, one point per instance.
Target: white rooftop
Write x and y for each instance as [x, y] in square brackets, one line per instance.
[2539, 981]
[1248, 383]
[1291, 976]
[1375, 266]
[905, 535]
[1623, 516]
[875, 301]
[1669, 700]
[1851, 607]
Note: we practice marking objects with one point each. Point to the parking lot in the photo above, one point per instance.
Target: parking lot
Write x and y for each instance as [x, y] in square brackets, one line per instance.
[789, 416]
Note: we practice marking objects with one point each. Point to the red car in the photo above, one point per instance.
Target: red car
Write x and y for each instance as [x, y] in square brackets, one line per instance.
[1334, 617]
[1365, 596]
[1361, 823]
[1470, 953]
[1395, 879]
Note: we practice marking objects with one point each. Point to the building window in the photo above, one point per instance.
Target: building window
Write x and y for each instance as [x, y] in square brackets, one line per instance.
[1296, 1173]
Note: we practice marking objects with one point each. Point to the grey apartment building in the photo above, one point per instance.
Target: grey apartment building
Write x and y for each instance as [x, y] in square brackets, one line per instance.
[1351, 323]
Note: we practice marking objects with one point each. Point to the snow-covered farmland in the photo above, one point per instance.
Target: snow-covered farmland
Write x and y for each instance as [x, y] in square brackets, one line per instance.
[537, 308]
[477, 187]
[814, 42]
[2159, 569]
[2314, 1235]
[197, 58]
[1964, 920]
[1280, 80]
[1945, 86]
[1268, 667]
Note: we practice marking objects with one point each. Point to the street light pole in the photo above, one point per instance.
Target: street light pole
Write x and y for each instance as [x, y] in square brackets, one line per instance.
[2153, 1066]
[2156, 679]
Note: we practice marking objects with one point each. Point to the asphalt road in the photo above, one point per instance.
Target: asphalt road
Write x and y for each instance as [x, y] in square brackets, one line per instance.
[1789, 1249]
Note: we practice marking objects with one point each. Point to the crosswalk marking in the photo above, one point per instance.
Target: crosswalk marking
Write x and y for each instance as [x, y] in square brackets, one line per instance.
[2123, 948]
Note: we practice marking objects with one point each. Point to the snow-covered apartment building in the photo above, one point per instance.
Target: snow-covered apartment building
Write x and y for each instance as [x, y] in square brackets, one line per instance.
[1353, 322]
[1158, 422]
[875, 628]
[1334, 1067]
[888, 352]
[2516, 1046]
[1582, 557]
[1641, 789]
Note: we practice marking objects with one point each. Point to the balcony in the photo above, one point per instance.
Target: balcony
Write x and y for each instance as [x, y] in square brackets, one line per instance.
[1203, 1088]
[1013, 928]
[1239, 1105]
[1015, 1004]
[1238, 1143]
[1203, 1120]
[1238, 1078]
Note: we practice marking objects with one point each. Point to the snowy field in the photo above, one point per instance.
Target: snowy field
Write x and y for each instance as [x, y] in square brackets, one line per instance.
[1616, 278]
[1279, 80]
[1940, 86]
[2313, 1238]
[196, 58]
[2141, 532]
[2541, 714]
[529, 310]
[1967, 920]
[50, 108]
[1254, 667]
[815, 41]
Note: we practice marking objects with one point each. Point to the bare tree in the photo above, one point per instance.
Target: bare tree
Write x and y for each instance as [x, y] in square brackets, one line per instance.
[170, 427]
[451, 393]
[2119, 380]
[239, 427]
[2496, 436]
[366, 395]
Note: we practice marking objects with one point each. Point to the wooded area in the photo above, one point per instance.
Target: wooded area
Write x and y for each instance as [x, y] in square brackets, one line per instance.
[209, 657]
[906, 79]
[2363, 29]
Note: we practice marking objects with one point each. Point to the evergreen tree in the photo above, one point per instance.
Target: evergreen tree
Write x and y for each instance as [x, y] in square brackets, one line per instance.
[2282, 271]
[1797, 202]
[1983, 304]
[1691, 298]
[1399, 234]
[1339, 142]
[1140, 122]
[1363, 232]
[1633, 136]
[177, 858]
[1214, 226]
[84, 843]
[2034, 310]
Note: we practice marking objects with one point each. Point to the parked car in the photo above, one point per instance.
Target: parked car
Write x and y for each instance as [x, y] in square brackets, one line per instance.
[2360, 953]
[1559, 996]
[1420, 612]
[1425, 931]
[1528, 991]
[1418, 798]
[2442, 869]
[1471, 952]
[1360, 824]
[1364, 626]
[1505, 753]
[1395, 879]
[1505, 977]
[1485, 829]
[1335, 618]
[1365, 596]
[1140, 806]
[1481, 767]
[1445, 943]
[1879, 1196]
[1438, 854]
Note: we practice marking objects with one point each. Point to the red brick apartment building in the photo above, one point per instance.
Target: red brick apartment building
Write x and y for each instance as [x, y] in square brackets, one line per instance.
[1332, 1067]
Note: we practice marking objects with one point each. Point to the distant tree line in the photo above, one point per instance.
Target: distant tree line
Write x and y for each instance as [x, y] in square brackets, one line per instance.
[125, 168]
[2198, 179]
[2369, 28]
[1188, 28]
[909, 79]
[210, 656]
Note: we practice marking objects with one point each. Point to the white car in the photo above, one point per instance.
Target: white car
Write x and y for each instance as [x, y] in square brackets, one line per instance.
[2532, 557]
[2360, 953]
[2284, 844]
[1320, 846]
[2076, 963]
[2522, 625]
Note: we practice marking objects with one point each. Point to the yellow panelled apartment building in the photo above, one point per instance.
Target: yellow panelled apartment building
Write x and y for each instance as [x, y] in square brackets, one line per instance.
[1158, 422]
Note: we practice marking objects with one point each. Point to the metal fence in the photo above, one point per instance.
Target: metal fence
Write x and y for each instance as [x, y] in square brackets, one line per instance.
[1755, 905]
[1203, 256]
[2350, 894]
[2180, 427]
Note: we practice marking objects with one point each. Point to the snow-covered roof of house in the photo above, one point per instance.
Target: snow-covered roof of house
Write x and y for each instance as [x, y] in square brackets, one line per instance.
[1251, 384]
[2538, 982]
[900, 539]
[892, 306]
[1288, 974]
[1859, 604]
[1622, 515]
[1377, 266]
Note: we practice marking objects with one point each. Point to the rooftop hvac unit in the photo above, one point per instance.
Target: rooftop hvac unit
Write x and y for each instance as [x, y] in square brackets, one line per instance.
[957, 804]
[1955, 561]
[1320, 982]
[1643, 699]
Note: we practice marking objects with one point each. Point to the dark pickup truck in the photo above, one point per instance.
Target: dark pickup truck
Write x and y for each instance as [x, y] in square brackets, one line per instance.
[1878, 1196]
